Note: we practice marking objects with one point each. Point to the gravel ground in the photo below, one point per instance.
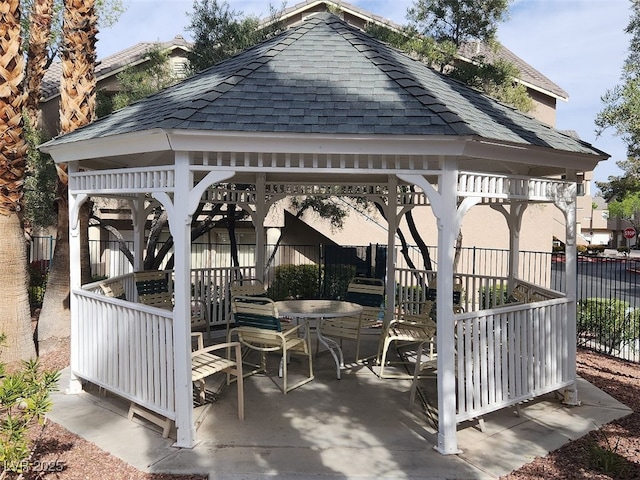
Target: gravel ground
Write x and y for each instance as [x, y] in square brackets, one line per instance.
[613, 452]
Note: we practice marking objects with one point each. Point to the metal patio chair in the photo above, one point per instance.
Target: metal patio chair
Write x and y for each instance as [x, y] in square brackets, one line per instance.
[258, 328]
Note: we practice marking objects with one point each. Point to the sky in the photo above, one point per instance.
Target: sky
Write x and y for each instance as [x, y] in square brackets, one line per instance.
[580, 45]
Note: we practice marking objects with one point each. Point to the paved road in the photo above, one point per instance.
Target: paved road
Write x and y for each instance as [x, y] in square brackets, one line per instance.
[604, 279]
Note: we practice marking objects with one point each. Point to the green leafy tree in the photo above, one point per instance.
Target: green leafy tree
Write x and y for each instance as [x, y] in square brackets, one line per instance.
[439, 28]
[627, 209]
[621, 109]
[496, 80]
[458, 21]
[621, 112]
[40, 182]
[220, 33]
[618, 187]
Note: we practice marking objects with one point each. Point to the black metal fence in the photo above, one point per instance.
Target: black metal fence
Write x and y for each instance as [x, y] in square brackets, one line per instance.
[608, 303]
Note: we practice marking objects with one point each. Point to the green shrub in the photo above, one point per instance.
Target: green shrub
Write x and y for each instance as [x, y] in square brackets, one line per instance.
[604, 456]
[336, 280]
[493, 296]
[24, 401]
[611, 323]
[595, 249]
[294, 281]
[581, 249]
[624, 249]
[38, 271]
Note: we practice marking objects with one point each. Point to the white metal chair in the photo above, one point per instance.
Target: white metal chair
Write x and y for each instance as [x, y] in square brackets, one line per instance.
[258, 328]
[204, 363]
[412, 327]
[368, 292]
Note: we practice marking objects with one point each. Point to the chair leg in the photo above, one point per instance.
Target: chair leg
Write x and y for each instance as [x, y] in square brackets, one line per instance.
[383, 360]
[283, 366]
[240, 382]
[201, 395]
[416, 374]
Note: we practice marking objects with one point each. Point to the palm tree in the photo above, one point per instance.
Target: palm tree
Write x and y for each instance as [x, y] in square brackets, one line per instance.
[37, 59]
[16, 317]
[77, 108]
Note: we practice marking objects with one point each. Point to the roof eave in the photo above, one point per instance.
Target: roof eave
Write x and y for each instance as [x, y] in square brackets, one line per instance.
[533, 155]
[157, 140]
[128, 144]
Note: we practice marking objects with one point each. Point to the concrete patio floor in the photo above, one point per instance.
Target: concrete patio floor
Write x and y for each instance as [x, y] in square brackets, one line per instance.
[358, 427]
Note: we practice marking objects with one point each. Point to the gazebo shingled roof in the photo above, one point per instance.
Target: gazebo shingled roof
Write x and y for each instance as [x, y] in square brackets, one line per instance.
[326, 77]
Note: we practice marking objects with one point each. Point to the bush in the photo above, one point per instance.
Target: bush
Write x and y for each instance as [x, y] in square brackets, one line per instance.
[294, 281]
[624, 249]
[493, 296]
[581, 249]
[609, 322]
[38, 271]
[336, 280]
[24, 401]
[595, 249]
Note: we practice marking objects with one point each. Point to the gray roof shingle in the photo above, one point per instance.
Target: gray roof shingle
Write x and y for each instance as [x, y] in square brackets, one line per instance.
[327, 77]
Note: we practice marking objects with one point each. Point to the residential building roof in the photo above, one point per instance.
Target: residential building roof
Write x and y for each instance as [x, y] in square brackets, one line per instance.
[529, 76]
[111, 65]
[327, 77]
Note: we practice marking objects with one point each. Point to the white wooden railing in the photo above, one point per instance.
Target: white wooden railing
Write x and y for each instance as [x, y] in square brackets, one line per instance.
[506, 353]
[511, 354]
[127, 348]
[124, 181]
[211, 285]
[509, 186]
[478, 291]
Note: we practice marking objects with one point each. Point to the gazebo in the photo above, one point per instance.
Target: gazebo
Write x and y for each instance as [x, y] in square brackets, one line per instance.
[324, 109]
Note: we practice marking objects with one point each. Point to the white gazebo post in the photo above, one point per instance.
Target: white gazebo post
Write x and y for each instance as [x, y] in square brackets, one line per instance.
[567, 203]
[444, 207]
[513, 217]
[392, 219]
[75, 277]
[180, 225]
[139, 218]
[258, 219]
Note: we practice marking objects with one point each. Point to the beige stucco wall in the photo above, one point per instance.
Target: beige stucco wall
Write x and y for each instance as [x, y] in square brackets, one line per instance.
[544, 107]
[482, 227]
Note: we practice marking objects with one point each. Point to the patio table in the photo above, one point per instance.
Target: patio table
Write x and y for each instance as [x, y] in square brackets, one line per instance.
[318, 310]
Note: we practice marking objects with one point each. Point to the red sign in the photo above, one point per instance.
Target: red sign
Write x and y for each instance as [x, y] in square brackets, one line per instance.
[629, 232]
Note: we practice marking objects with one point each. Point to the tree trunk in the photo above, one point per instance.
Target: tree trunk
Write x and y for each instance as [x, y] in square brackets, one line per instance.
[77, 108]
[16, 316]
[55, 319]
[39, 33]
